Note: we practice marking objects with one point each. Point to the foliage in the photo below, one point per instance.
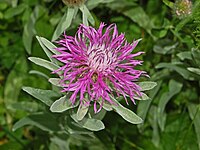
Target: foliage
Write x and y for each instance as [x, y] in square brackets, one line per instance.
[170, 118]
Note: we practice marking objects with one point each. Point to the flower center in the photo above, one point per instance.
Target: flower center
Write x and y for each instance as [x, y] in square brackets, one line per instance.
[100, 58]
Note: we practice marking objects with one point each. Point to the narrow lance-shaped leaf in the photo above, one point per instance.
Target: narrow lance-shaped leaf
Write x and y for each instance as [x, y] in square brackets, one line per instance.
[29, 28]
[89, 123]
[174, 88]
[147, 85]
[143, 106]
[82, 111]
[55, 81]
[93, 4]
[64, 23]
[185, 55]
[87, 15]
[196, 56]
[38, 73]
[45, 96]
[127, 114]
[48, 47]
[62, 105]
[11, 12]
[44, 63]
[182, 71]
[194, 70]
[142, 97]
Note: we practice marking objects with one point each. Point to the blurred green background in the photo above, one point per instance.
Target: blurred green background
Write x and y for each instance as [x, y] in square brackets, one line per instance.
[171, 40]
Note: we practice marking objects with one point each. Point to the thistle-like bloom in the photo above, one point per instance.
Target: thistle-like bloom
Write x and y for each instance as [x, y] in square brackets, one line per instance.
[98, 64]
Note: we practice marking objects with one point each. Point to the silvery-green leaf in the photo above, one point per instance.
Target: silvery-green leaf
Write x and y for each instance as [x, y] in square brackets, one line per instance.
[89, 123]
[44, 63]
[107, 106]
[143, 97]
[127, 114]
[48, 47]
[62, 105]
[39, 73]
[82, 111]
[55, 81]
[87, 15]
[64, 23]
[185, 55]
[45, 96]
[100, 115]
[194, 70]
[147, 85]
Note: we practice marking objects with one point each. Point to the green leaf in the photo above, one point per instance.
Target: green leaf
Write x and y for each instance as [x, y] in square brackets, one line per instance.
[139, 16]
[89, 123]
[62, 105]
[185, 55]
[100, 115]
[11, 144]
[144, 106]
[38, 73]
[87, 15]
[168, 3]
[44, 63]
[59, 143]
[182, 71]
[196, 56]
[125, 113]
[194, 111]
[153, 120]
[44, 121]
[48, 47]
[107, 106]
[174, 88]
[45, 96]
[64, 23]
[29, 28]
[82, 111]
[11, 12]
[28, 34]
[55, 81]
[93, 4]
[143, 97]
[24, 105]
[147, 85]
[164, 47]
[194, 70]
[14, 82]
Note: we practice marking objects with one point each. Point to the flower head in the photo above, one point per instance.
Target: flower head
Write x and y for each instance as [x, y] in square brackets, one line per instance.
[98, 64]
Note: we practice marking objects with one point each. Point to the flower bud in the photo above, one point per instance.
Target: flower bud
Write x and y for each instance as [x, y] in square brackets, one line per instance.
[73, 3]
[182, 8]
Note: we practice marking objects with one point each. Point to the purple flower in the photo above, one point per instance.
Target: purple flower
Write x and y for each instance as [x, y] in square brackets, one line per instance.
[98, 64]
